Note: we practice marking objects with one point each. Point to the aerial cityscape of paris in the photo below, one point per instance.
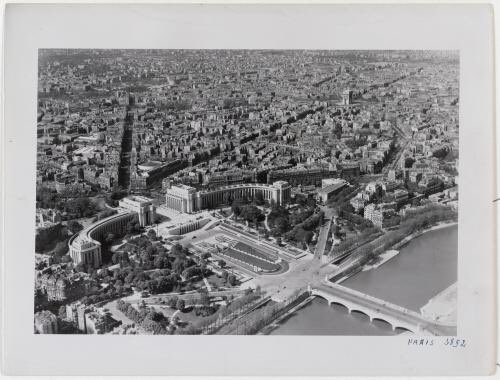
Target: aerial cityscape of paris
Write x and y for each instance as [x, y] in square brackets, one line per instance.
[247, 192]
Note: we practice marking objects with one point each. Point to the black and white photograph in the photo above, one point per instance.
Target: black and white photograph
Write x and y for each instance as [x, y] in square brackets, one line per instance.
[248, 189]
[292, 192]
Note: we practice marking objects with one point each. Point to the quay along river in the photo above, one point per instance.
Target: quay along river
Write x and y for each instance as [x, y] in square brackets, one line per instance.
[424, 267]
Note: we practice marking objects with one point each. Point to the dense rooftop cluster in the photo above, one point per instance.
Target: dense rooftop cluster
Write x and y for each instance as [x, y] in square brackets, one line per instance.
[377, 131]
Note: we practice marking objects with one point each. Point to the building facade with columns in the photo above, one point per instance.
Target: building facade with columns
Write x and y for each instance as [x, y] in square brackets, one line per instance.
[186, 199]
[85, 251]
[181, 198]
[85, 247]
[143, 206]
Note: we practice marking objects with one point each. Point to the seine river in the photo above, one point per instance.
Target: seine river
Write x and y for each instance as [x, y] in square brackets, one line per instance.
[423, 268]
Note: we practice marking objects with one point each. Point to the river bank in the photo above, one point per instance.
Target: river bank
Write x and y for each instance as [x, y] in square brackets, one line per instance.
[394, 251]
[442, 307]
[415, 235]
[424, 269]
[380, 260]
[425, 266]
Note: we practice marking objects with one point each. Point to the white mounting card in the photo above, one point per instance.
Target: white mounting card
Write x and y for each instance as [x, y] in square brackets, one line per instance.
[248, 189]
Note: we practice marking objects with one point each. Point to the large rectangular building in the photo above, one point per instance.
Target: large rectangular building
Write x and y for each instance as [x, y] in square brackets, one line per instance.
[181, 198]
[330, 187]
[187, 199]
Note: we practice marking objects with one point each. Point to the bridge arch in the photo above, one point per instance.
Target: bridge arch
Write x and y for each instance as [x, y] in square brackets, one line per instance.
[337, 303]
[358, 311]
[403, 328]
[320, 295]
[385, 321]
[330, 300]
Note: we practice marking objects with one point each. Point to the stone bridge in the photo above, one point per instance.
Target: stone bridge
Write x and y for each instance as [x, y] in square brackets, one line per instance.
[376, 309]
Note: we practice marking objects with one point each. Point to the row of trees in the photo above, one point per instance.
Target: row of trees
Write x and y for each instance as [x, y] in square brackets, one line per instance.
[262, 317]
[222, 315]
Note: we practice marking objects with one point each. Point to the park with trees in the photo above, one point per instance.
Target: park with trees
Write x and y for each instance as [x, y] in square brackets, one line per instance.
[146, 317]
[297, 225]
[246, 211]
[72, 206]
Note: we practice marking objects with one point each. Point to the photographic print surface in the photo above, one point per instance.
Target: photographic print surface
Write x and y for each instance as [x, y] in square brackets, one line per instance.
[270, 192]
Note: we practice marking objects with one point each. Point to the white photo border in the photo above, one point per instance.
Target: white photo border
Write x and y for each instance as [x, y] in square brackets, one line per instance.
[467, 28]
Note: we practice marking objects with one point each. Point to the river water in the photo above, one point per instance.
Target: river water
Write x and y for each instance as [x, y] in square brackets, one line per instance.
[423, 268]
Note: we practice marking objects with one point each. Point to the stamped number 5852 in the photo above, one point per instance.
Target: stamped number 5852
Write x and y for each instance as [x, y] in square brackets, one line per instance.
[454, 342]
